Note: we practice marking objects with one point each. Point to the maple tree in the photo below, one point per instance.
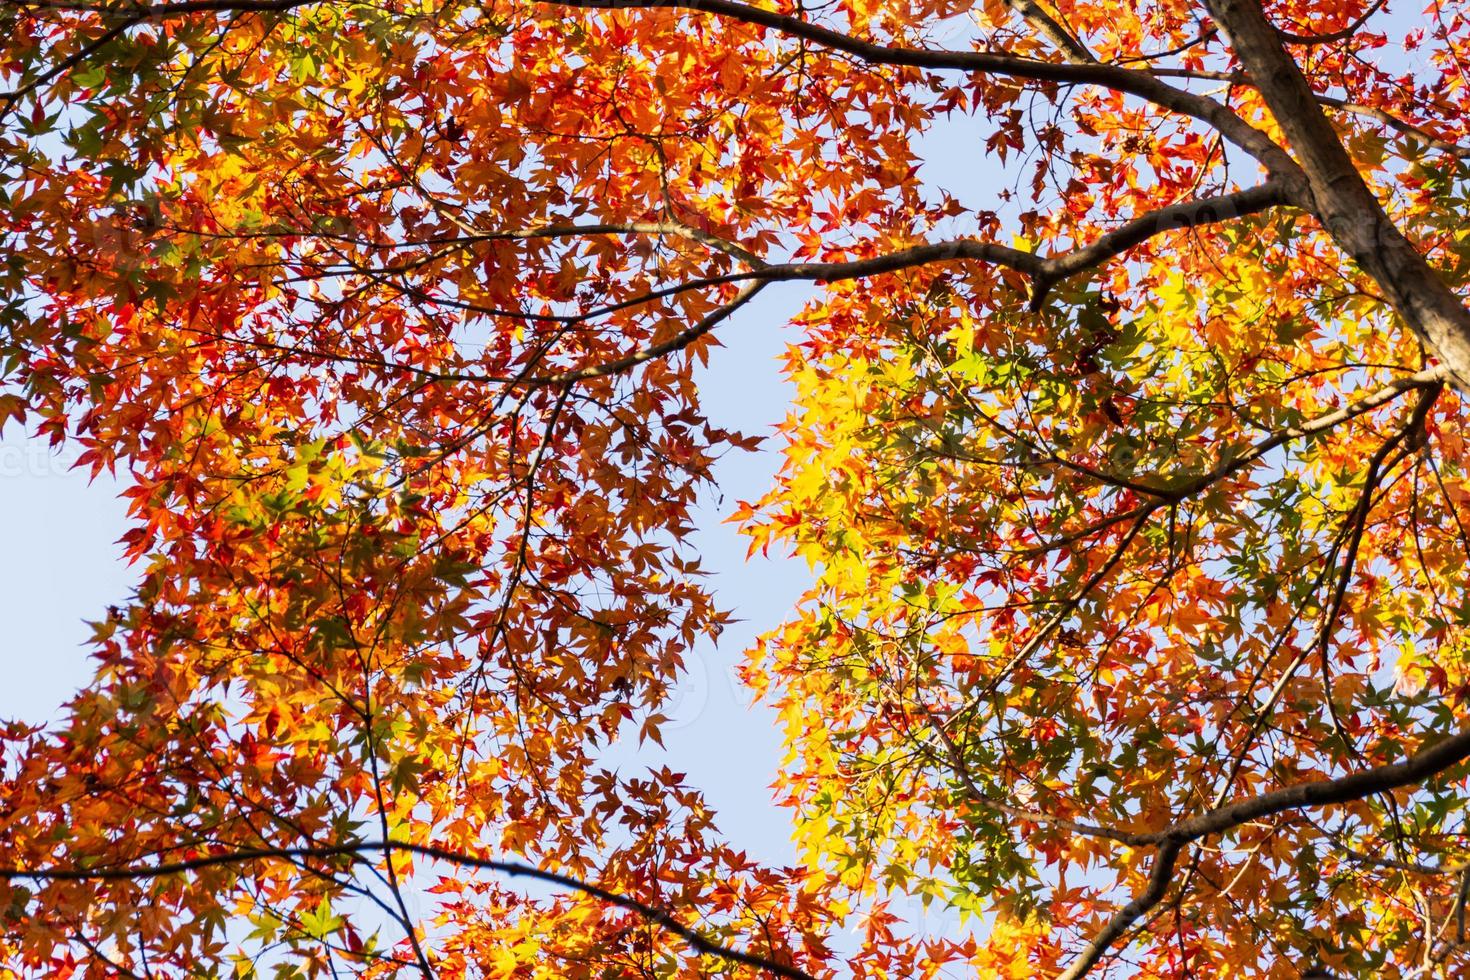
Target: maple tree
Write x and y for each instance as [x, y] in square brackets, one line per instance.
[1137, 505]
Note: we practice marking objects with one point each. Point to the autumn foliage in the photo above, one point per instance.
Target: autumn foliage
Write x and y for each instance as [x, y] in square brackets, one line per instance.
[1137, 502]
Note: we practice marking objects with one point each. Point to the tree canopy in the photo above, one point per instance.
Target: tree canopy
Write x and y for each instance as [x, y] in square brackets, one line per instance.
[1136, 501]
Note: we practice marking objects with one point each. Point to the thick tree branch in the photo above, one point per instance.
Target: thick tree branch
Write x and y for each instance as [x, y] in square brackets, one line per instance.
[1123, 919]
[1330, 101]
[1186, 214]
[1130, 81]
[1340, 199]
[1047, 26]
[1043, 271]
[1414, 770]
[515, 869]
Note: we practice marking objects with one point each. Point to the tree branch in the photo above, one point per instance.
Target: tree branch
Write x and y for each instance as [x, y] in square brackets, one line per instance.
[515, 869]
[1043, 271]
[1123, 919]
[1186, 214]
[1330, 101]
[1416, 769]
[1127, 80]
[1048, 27]
[1340, 199]
[1341, 34]
[1323, 792]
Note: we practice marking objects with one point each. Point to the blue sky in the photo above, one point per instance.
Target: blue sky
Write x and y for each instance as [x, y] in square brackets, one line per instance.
[62, 568]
